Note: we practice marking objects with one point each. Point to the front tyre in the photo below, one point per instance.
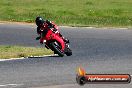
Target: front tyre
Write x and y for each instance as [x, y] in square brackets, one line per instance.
[57, 49]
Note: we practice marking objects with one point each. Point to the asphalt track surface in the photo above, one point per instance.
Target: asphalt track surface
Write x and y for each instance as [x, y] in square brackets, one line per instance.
[96, 50]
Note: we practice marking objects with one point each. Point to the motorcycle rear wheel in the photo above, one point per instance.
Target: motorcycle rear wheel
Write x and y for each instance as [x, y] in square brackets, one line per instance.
[68, 52]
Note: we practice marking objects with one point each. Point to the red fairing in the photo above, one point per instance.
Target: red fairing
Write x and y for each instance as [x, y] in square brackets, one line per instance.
[50, 35]
[60, 40]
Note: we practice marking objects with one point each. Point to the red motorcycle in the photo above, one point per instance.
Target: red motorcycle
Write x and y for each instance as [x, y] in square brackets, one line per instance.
[54, 42]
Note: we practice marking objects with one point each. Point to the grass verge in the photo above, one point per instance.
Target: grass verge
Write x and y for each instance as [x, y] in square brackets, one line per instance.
[69, 12]
[7, 51]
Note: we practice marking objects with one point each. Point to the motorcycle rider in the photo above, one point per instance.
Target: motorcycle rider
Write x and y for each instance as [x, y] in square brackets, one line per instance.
[41, 29]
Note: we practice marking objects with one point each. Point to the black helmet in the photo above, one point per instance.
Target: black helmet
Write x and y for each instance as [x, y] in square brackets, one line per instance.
[39, 21]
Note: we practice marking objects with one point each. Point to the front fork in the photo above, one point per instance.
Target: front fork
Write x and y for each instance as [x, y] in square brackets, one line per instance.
[46, 44]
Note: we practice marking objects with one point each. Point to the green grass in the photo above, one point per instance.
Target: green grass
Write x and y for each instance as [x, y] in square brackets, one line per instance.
[7, 51]
[69, 12]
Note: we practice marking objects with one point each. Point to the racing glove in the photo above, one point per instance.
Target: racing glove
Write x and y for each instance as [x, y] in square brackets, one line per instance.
[38, 38]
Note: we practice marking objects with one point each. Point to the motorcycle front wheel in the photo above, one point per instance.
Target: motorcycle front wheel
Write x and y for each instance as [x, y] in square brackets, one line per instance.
[56, 48]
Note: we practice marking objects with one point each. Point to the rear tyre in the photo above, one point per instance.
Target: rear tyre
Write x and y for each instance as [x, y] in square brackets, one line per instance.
[68, 52]
[57, 50]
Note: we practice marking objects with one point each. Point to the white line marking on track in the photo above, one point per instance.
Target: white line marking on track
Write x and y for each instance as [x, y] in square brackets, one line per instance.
[27, 57]
[11, 85]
